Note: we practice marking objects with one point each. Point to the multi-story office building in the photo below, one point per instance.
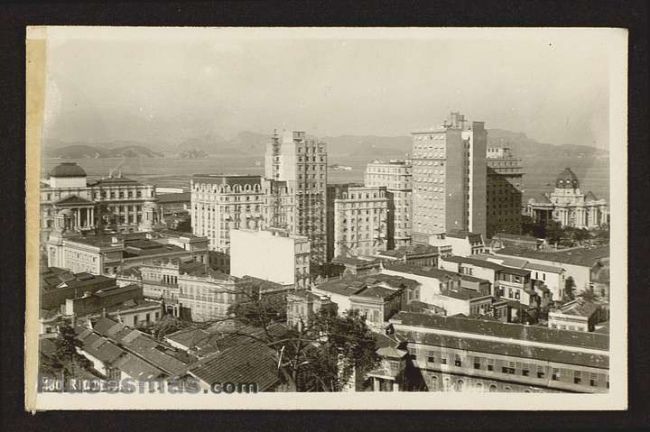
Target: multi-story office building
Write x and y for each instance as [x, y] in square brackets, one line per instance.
[220, 203]
[449, 178]
[115, 202]
[272, 255]
[504, 191]
[358, 220]
[460, 354]
[396, 177]
[301, 161]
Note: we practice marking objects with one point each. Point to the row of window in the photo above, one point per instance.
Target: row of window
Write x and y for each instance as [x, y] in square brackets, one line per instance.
[512, 368]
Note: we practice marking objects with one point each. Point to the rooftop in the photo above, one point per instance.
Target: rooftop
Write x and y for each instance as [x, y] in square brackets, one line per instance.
[67, 169]
[353, 285]
[431, 272]
[576, 256]
[517, 237]
[114, 181]
[73, 200]
[482, 262]
[462, 294]
[509, 332]
[356, 261]
[578, 307]
[228, 179]
[411, 250]
[462, 234]
[377, 292]
[251, 362]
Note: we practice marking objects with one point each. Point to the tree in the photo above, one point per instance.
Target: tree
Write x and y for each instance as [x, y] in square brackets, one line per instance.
[588, 294]
[66, 351]
[324, 355]
[553, 231]
[321, 354]
[166, 326]
[569, 288]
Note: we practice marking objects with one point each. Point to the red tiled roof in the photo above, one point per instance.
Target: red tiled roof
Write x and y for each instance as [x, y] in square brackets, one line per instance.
[251, 362]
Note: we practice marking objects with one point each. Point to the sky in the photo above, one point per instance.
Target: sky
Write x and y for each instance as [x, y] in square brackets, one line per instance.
[168, 85]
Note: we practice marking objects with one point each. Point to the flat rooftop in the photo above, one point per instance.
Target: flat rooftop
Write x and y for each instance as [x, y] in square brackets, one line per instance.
[577, 256]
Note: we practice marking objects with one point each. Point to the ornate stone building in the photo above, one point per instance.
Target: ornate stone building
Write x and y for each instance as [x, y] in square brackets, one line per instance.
[568, 205]
[115, 202]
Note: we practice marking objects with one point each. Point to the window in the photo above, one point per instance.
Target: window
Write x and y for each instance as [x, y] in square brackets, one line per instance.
[477, 363]
[457, 361]
[592, 381]
[540, 372]
[443, 360]
[556, 374]
[577, 378]
[431, 359]
[490, 364]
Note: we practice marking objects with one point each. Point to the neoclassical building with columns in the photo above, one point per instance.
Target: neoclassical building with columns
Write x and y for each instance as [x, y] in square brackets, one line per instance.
[568, 205]
[114, 202]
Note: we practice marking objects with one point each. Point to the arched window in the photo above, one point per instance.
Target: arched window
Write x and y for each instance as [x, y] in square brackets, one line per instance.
[493, 388]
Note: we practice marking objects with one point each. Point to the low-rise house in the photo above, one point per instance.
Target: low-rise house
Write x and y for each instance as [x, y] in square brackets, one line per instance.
[578, 315]
[377, 303]
[416, 254]
[547, 280]
[357, 266]
[303, 306]
[57, 285]
[462, 243]
[125, 303]
[502, 240]
[579, 263]
[508, 282]
[389, 376]
[340, 289]
[171, 362]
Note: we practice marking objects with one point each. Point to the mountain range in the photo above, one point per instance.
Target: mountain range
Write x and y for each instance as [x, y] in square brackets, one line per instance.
[253, 144]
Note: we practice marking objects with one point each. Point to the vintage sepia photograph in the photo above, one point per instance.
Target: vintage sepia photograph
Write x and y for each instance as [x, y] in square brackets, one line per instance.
[326, 218]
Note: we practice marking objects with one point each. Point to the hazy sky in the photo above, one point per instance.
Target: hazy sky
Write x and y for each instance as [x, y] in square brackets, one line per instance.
[167, 85]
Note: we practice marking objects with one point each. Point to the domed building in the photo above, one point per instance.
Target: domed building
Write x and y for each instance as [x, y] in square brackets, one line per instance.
[568, 205]
[89, 204]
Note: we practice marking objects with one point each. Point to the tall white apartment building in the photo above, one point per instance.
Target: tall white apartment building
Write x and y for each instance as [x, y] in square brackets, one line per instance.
[300, 161]
[449, 178]
[272, 255]
[396, 177]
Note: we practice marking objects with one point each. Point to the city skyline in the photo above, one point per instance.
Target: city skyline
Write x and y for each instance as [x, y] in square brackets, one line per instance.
[165, 87]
